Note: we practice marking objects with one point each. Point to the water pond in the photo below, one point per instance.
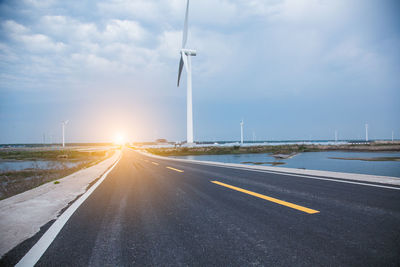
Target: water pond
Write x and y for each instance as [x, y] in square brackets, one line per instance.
[327, 161]
[17, 165]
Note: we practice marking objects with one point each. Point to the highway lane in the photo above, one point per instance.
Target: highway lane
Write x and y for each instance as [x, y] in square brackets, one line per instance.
[161, 212]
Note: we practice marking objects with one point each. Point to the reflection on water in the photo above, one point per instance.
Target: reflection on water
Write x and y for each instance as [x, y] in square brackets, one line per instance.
[17, 165]
[317, 161]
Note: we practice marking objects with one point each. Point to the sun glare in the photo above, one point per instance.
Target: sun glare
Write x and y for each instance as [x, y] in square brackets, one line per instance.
[119, 139]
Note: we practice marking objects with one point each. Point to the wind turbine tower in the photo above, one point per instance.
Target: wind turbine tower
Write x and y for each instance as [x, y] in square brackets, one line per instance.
[366, 132]
[392, 136]
[335, 136]
[241, 132]
[185, 60]
[63, 132]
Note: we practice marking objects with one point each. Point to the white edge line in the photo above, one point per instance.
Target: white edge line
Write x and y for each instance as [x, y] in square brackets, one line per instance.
[303, 176]
[36, 252]
[315, 177]
[275, 172]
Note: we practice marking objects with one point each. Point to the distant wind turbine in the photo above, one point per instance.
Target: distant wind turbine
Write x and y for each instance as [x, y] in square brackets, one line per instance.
[186, 61]
[63, 132]
[241, 132]
[392, 136]
[366, 132]
[335, 136]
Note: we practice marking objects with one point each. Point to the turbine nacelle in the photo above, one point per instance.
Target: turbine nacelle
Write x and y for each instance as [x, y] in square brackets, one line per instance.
[188, 52]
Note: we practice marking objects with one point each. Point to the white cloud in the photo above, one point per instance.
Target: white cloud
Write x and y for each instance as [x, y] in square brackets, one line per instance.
[139, 9]
[13, 27]
[137, 36]
[123, 30]
[31, 41]
[169, 44]
[40, 43]
[39, 3]
[214, 12]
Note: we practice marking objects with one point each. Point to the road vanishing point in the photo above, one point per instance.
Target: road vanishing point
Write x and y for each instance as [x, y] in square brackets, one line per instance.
[161, 212]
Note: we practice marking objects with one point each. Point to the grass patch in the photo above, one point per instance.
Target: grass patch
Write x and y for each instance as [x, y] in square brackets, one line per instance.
[15, 182]
[213, 150]
[49, 154]
[280, 149]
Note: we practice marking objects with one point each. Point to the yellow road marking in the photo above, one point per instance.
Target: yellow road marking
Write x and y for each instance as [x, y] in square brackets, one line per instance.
[155, 163]
[278, 201]
[174, 169]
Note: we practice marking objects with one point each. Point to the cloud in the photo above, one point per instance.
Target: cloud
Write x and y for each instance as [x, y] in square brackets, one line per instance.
[39, 3]
[168, 42]
[123, 31]
[249, 51]
[31, 41]
[13, 27]
[137, 9]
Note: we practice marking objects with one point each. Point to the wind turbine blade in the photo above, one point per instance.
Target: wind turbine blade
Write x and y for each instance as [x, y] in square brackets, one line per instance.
[180, 69]
[185, 26]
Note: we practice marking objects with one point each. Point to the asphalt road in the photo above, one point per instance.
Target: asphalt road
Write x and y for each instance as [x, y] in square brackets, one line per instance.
[145, 213]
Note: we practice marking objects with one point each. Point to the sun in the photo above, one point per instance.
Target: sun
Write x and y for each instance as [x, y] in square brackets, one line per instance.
[119, 139]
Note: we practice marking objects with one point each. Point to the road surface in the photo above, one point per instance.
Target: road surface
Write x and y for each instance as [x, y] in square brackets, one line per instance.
[160, 212]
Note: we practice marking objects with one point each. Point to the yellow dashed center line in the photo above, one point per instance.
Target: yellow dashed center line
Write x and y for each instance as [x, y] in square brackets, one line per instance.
[174, 169]
[155, 163]
[278, 201]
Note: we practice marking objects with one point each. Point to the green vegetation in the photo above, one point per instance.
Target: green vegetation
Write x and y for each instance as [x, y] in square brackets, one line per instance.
[48, 154]
[213, 150]
[276, 163]
[281, 149]
[15, 182]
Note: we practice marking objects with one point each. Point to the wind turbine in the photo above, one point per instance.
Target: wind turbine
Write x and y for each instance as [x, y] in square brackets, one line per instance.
[335, 136]
[63, 123]
[366, 132]
[241, 132]
[186, 61]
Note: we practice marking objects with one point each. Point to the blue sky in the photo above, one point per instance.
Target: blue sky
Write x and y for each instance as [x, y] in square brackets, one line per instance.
[292, 69]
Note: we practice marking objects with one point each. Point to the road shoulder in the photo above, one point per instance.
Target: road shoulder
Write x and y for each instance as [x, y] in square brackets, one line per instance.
[22, 215]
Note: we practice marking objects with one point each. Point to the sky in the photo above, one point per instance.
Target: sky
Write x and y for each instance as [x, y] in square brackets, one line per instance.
[291, 69]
